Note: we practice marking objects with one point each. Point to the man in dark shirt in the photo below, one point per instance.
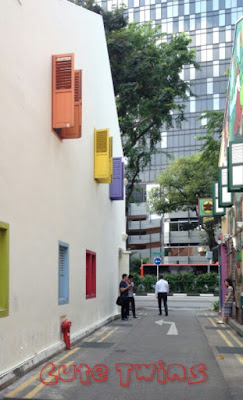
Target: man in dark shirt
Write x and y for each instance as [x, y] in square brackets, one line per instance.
[124, 287]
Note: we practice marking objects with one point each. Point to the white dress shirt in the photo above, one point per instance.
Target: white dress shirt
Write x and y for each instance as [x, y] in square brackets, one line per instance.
[161, 286]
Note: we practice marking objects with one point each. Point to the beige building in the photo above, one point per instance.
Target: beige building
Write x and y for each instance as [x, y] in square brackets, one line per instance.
[62, 241]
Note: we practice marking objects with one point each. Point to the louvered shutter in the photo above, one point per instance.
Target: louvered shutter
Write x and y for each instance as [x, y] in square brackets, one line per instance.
[61, 273]
[117, 186]
[88, 283]
[110, 177]
[62, 91]
[90, 274]
[93, 276]
[75, 131]
[101, 156]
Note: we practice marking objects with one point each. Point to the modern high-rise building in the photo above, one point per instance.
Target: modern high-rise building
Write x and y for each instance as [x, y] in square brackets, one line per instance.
[210, 25]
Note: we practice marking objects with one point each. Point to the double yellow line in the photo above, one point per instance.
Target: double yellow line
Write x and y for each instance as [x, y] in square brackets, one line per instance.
[41, 386]
[227, 341]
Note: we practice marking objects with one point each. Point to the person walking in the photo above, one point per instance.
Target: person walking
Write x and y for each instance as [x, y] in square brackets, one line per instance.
[124, 287]
[131, 299]
[161, 291]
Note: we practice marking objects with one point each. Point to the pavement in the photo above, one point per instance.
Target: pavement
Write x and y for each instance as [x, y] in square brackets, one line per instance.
[236, 326]
[184, 356]
[227, 347]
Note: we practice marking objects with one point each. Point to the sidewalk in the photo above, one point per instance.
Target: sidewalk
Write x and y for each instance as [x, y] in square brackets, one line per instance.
[181, 294]
[227, 348]
[236, 326]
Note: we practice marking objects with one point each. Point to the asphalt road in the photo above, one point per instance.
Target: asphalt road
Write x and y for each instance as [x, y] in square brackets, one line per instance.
[177, 344]
[179, 302]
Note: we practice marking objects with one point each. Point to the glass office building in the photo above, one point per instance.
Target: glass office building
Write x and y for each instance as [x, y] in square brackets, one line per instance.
[210, 25]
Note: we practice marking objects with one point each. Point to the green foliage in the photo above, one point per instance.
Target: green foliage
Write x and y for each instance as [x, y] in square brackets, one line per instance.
[136, 264]
[147, 84]
[206, 283]
[186, 282]
[175, 282]
[113, 20]
[188, 178]
[183, 181]
[145, 101]
[216, 305]
[211, 141]
[149, 281]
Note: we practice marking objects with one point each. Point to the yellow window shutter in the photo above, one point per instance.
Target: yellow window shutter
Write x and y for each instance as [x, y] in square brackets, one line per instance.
[101, 156]
[110, 178]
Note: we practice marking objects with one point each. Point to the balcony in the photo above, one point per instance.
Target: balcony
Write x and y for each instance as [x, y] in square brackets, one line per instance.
[184, 237]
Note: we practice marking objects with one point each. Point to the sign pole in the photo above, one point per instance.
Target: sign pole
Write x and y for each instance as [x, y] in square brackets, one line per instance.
[157, 262]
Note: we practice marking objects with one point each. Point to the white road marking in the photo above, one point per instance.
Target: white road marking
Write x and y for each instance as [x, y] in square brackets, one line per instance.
[172, 331]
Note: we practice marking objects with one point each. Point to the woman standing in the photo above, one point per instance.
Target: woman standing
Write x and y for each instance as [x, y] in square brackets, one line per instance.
[229, 298]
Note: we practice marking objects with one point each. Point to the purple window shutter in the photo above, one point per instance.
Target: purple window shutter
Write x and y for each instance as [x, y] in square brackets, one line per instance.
[117, 185]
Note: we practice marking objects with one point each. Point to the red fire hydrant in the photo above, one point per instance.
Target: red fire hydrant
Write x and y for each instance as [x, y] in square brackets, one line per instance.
[66, 332]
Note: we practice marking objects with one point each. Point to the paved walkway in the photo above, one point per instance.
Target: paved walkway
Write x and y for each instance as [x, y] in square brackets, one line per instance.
[193, 343]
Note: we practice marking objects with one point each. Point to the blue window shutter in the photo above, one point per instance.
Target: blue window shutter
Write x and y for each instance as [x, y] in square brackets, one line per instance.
[63, 273]
[117, 186]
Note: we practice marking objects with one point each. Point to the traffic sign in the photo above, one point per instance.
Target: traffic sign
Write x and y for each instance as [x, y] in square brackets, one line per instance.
[158, 254]
[157, 260]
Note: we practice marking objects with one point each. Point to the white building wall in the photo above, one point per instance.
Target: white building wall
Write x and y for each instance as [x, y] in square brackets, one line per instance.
[48, 192]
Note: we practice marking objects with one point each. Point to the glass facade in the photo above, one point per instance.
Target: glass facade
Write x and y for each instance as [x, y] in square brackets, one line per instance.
[210, 25]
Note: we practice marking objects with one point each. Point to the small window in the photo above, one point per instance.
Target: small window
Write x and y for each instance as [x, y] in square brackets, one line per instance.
[63, 273]
[4, 269]
[90, 274]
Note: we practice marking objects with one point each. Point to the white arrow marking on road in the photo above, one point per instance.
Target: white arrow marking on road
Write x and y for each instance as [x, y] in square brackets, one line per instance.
[173, 330]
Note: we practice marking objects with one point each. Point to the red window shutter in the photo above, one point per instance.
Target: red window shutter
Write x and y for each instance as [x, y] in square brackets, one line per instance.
[62, 91]
[94, 275]
[90, 274]
[75, 132]
[88, 286]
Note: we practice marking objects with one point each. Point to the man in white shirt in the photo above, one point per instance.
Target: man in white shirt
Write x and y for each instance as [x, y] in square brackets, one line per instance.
[161, 291]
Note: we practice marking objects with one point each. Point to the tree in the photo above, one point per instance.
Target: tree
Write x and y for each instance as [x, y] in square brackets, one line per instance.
[113, 20]
[146, 76]
[188, 178]
[211, 141]
[180, 185]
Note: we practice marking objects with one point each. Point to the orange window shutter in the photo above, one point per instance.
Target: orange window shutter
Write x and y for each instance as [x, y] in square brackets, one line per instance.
[62, 91]
[75, 132]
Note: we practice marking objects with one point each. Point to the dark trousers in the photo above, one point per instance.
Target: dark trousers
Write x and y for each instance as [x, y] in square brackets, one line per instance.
[124, 307]
[162, 295]
[132, 302]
